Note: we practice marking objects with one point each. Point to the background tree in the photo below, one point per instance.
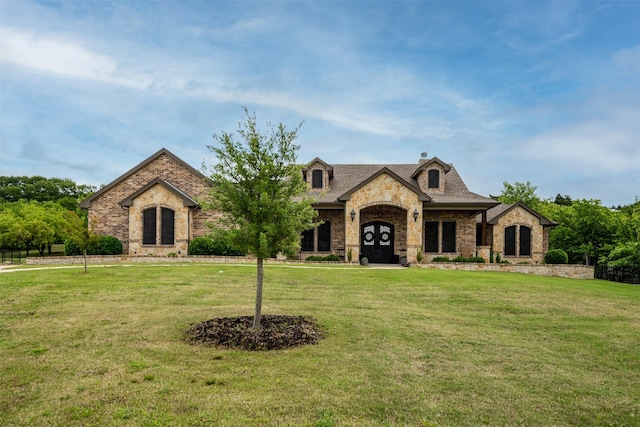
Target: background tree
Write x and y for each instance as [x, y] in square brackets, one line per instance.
[258, 186]
[519, 192]
[60, 190]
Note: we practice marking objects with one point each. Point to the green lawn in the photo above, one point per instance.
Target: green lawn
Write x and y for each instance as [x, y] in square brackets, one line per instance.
[403, 347]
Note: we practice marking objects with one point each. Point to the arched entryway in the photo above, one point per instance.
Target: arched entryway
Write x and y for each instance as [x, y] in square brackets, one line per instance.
[377, 242]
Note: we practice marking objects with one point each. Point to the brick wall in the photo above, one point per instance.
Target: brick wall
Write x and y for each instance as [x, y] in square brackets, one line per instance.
[465, 231]
[107, 217]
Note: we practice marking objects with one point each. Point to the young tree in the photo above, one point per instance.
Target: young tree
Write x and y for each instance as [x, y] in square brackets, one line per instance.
[81, 236]
[258, 187]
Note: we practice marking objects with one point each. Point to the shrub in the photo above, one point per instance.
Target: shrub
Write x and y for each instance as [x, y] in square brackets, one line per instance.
[218, 246]
[319, 258]
[201, 246]
[460, 258]
[441, 259]
[556, 256]
[105, 245]
[71, 249]
[109, 245]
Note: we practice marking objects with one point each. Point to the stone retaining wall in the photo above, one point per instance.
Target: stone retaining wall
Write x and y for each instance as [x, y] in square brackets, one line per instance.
[570, 271]
[557, 270]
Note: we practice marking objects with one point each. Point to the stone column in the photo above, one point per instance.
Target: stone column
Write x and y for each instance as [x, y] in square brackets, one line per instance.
[414, 231]
[352, 231]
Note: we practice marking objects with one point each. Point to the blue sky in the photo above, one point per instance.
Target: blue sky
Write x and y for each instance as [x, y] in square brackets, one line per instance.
[546, 92]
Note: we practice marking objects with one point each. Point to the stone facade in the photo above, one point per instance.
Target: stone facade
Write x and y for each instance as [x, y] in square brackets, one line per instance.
[398, 201]
[389, 204]
[519, 217]
[108, 217]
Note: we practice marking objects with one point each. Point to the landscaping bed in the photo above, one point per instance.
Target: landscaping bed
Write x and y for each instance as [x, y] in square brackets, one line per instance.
[276, 332]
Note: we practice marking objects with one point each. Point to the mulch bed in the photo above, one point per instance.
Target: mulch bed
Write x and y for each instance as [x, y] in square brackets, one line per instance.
[276, 332]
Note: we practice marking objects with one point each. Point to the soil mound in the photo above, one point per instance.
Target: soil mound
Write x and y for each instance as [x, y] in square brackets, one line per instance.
[276, 332]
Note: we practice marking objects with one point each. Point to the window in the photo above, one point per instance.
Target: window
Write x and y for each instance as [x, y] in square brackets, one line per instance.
[434, 178]
[431, 237]
[307, 240]
[167, 221]
[448, 237]
[324, 236]
[316, 179]
[149, 226]
[525, 241]
[510, 240]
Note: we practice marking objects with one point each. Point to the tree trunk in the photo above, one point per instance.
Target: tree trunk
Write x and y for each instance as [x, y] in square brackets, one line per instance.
[84, 254]
[256, 317]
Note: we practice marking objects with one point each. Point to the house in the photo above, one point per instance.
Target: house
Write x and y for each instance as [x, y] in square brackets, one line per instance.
[152, 208]
[382, 212]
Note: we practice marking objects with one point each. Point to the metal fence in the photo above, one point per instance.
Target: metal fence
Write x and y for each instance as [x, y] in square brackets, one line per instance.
[624, 274]
[14, 257]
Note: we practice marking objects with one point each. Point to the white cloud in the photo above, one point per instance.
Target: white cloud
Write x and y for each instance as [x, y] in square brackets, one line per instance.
[42, 53]
[605, 144]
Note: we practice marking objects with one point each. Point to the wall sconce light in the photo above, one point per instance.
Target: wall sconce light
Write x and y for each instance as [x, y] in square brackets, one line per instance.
[353, 215]
[416, 214]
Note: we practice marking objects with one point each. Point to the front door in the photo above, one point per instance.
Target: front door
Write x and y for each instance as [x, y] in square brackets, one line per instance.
[377, 242]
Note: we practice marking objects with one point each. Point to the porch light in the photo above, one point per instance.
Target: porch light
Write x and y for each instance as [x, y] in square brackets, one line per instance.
[415, 215]
[353, 215]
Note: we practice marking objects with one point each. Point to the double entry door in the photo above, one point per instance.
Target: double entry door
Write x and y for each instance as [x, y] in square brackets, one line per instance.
[377, 242]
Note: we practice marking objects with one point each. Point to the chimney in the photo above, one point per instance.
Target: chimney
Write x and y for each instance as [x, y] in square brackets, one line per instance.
[423, 157]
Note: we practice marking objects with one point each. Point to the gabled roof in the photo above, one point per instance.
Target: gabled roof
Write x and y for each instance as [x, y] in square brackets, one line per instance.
[494, 214]
[423, 166]
[326, 165]
[86, 203]
[349, 177]
[421, 196]
[187, 201]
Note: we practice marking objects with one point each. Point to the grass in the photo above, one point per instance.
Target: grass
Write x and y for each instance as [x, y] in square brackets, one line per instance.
[403, 347]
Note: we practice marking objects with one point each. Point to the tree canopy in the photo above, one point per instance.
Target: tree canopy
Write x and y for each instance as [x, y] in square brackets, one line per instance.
[61, 190]
[258, 186]
[26, 225]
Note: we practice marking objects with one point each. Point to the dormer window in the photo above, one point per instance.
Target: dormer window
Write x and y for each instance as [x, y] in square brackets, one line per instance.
[316, 179]
[434, 178]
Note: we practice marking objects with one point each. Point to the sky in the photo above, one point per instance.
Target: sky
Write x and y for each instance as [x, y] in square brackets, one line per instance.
[546, 92]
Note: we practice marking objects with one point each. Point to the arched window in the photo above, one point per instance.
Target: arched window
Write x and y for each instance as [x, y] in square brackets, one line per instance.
[149, 226]
[434, 178]
[316, 179]
[525, 241]
[167, 229]
[510, 240]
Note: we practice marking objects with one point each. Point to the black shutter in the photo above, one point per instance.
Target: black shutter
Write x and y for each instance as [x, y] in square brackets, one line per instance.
[324, 236]
[448, 237]
[510, 240]
[149, 227]
[434, 178]
[307, 240]
[431, 237]
[525, 241]
[316, 179]
[166, 238]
